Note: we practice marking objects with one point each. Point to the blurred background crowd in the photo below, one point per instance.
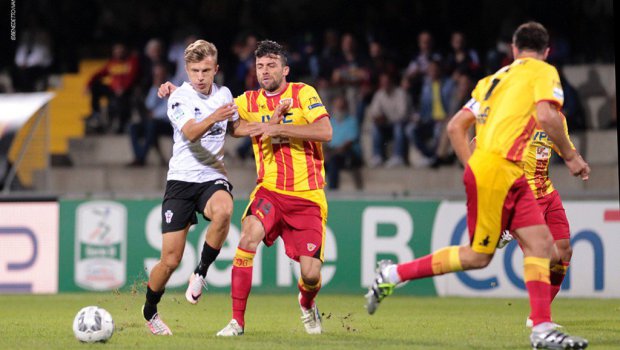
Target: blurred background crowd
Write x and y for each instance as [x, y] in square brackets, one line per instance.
[395, 71]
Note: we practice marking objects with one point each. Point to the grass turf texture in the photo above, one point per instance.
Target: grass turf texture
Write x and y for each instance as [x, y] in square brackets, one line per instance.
[273, 322]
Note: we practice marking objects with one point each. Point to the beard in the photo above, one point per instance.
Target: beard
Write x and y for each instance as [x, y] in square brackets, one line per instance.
[271, 87]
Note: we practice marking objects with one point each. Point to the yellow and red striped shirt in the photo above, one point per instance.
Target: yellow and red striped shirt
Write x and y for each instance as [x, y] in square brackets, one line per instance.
[287, 165]
[536, 161]
[506, 105]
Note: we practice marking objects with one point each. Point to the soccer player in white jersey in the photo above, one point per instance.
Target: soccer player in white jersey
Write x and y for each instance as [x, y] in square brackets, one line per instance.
[199, 112]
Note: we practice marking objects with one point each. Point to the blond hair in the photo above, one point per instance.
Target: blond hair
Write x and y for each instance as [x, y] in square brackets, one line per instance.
[199, 50]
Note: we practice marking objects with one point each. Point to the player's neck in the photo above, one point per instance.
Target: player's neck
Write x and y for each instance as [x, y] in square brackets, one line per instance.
[277, 91]
[530, 54]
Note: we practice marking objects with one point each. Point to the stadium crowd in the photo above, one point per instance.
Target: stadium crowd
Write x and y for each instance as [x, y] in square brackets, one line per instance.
[402, 95]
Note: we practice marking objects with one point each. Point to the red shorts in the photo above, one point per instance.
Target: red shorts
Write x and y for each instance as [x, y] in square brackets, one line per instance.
[298, 221]
[555, 216]
[498, 198]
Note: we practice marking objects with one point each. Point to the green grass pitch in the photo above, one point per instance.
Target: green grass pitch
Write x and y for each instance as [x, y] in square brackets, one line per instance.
[272, 322]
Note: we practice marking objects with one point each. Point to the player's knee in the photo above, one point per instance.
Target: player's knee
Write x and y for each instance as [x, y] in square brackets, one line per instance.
[482, 260]
[311, 278]
[250, 236]
[171, 261]
[222, 214]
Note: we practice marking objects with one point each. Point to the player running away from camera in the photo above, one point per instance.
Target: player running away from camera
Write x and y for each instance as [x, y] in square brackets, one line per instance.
[536, 165]
[199, 112]
[510, 105]
[288, 124]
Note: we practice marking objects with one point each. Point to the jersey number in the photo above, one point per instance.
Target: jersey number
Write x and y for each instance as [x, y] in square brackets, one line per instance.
[493, 86]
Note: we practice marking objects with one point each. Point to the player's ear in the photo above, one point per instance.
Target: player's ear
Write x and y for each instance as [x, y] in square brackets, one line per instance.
[546, 53]
[285, 70]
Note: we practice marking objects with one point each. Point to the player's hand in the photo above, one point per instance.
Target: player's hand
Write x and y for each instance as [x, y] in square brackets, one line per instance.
[578, 167]
[224, 112]
[166, 89]
[281, 109]
[257, 129]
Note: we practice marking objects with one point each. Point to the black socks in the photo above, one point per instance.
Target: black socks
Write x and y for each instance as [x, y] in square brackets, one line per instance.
[152, 299]
[207, 257]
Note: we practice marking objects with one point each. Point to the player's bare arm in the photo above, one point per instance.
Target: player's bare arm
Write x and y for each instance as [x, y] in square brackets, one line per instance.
[194, 130]
[457, 131]
[319, 131]
[551, 121]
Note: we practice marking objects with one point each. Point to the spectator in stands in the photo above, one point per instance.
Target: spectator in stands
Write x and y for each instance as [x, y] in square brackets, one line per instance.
[33, 57]
[389, 110]
[351, 74]
[244, 79]
[121, 71]
[417, 69]
[462, 57]
[330, 54]
[461, 93]
[572, 107]
[343, 151]
[435, 97]
[176, 55]
[145, 134]
[499, 56]
[154, 54]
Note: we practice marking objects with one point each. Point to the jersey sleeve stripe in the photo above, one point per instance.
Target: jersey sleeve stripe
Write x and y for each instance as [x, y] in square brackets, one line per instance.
[555, 102]
[516, 151]
[324, 115]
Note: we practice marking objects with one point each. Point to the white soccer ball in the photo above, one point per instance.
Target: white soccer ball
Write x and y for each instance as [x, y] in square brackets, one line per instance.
[93, 324]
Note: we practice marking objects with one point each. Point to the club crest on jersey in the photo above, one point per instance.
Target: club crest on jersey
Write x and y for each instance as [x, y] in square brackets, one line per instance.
[311, 247]
[196, 112]
[288, 99]
[168, 214]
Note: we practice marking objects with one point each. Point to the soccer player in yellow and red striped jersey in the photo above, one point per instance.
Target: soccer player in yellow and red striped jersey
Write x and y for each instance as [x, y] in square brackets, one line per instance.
[511, 104]
[289, 200]
[536, 167]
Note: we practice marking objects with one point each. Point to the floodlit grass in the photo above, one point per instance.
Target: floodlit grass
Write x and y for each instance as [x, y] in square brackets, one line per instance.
[272, 322]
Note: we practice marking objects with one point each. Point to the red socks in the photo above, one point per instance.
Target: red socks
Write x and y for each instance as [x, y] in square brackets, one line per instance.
[241, 283]
[307, 293]
[536, 276]
[442, 261]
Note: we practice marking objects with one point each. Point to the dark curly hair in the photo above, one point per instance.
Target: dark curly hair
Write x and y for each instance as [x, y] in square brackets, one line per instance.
[271, 48]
